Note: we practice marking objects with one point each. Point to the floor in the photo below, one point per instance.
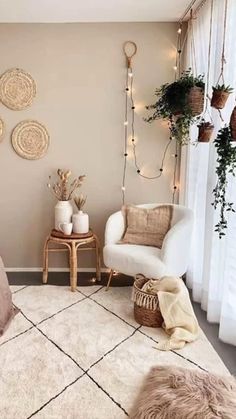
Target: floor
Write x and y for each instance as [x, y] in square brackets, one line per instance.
[225, 351]
[82, 355]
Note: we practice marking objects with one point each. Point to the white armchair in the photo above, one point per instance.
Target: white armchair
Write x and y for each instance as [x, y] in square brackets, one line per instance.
[171, 259]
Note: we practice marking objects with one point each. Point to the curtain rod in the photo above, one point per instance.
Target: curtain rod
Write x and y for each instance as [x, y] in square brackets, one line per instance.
[190, 6]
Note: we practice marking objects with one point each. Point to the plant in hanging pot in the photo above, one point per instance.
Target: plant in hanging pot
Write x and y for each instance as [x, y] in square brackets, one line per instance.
[64, 191]
[220, 95]
[80, 220]
[205, 130]
[180, 103]
[233, 124]
[226, 166]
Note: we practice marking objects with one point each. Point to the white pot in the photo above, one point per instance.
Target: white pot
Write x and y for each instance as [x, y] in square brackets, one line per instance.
[80, 223]
[63, 213]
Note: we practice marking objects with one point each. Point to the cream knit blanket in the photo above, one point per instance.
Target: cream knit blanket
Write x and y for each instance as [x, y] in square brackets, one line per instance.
[179, 319]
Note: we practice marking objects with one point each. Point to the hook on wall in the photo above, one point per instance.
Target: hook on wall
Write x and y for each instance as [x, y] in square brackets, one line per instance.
[129, 45]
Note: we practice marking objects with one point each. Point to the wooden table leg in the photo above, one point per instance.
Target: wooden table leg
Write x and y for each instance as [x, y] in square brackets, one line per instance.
[98, 259]
[45, 261]
[73, 267]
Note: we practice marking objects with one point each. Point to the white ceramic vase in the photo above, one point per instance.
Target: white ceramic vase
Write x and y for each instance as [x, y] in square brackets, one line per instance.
[63, 213]
[80, 223]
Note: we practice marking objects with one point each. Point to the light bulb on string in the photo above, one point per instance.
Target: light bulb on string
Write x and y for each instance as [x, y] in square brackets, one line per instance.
[130, 74]
[123, 188]
[132, 140]
[138, 107]
[175, 68]
[179, 31]
[125, 123]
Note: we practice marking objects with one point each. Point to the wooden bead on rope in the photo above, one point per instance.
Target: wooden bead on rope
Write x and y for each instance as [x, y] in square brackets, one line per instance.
[129, 57]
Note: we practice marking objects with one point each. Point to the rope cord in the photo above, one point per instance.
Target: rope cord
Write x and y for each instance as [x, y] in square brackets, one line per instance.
[175, 173]
[208, 99]
[223, 60]
[125, 138]
[193, 44]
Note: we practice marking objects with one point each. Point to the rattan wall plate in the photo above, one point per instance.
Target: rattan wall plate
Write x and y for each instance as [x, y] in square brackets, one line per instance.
[30, 139]
[17, 89]
[2, 129]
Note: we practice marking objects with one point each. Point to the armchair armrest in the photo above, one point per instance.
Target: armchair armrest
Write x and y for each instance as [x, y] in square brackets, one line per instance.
[176, 246]
[114, 228]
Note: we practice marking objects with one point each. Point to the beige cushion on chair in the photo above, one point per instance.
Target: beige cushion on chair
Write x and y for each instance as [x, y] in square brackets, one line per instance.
[146, 226]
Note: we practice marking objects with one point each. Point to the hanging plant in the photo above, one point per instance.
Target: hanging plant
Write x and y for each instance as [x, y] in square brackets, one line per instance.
[205, 130]
[226, 164]
[233, 124]
[179, 102]
[220, 95]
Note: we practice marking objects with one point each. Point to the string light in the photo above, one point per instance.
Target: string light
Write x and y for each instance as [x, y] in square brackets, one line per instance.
[129, 97]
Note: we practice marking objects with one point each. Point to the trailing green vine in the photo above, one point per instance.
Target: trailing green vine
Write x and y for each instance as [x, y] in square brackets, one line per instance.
[173, 105]
[226, 164]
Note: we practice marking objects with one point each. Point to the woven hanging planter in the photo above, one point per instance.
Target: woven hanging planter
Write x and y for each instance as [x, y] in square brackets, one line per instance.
[205, 131]
[2, 130]
[219, 99]
[30, 140]
[195, 100]
[17, 89]
[146, 306]
[233, 124]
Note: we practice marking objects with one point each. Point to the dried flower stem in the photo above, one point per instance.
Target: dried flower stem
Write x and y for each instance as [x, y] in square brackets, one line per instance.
[61, 189]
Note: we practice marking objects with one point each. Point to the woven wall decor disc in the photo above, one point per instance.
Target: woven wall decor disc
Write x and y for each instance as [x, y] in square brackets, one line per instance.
[30, 139]
[17, 89]
[2, 129]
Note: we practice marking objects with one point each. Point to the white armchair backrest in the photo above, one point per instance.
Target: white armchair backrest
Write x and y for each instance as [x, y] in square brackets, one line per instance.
[115, 224]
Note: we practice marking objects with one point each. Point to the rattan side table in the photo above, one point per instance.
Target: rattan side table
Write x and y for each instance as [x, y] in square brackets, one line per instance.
[71, 244]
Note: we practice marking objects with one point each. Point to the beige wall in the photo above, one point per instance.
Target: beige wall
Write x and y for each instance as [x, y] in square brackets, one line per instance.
[79, 70]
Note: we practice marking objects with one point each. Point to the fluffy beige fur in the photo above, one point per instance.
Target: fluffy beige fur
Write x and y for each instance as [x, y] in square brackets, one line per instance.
[178, 393]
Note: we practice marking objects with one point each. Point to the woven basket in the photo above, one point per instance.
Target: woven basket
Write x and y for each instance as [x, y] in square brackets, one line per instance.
[219, 99]
[195, 100]
[30, 139]
[17, 89]
[146, 306]
[205, 131]
[233, 124]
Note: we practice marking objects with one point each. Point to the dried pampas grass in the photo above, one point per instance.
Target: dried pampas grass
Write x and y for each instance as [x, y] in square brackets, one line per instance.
[178, 393]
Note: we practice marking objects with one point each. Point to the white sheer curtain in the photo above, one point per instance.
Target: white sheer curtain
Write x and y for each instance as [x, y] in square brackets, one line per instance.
[212, 271]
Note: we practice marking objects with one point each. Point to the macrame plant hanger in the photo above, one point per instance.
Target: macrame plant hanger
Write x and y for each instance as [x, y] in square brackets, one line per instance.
[207, 95]
[192, 43]
[223, 60]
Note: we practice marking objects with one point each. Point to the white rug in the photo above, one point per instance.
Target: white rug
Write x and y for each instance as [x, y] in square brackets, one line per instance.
[82, 355]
